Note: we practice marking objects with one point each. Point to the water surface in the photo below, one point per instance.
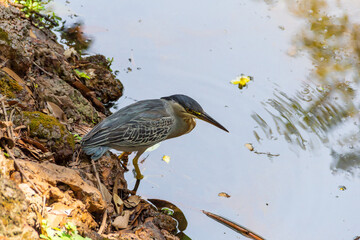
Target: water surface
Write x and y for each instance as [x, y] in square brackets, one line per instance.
[299, 106]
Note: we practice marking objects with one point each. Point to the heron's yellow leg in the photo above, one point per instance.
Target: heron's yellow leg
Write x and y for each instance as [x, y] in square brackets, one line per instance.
[123, 154]
[136, 166]
[123, 158]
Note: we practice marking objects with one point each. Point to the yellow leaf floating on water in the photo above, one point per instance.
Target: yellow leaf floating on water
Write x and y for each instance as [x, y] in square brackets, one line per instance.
[224, 194]
[241, 80]
[342, 188]
[249, 146]
[166, 158]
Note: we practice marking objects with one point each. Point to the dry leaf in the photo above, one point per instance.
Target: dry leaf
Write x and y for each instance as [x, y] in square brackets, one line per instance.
[56, 111]
[118, 203]
[32, 34]
[249, 146]
[5, 124]
[132, 201]
[224, 194]
[122, 222]
[166, 158]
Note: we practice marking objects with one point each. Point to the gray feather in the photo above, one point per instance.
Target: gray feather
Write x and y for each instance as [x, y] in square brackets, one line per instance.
[138, 125]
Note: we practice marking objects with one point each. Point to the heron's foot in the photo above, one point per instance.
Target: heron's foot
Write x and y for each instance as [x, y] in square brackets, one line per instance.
[139, 176]
[137, 184]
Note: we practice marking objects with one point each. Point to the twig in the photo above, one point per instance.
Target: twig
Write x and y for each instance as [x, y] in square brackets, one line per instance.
[21, 171]
[6, 117]
[46, 17]
[50, 74]
[16, 5]
[234, 226]
[103, 223]
[43, 206]
[20, 6]
[3, 63]
[11, 127]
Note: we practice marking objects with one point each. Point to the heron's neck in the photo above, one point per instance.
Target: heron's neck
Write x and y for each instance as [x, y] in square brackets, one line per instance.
[184, 121]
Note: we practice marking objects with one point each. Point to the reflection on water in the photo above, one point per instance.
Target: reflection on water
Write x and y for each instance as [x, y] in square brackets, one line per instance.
[74, 37]
[327, 105]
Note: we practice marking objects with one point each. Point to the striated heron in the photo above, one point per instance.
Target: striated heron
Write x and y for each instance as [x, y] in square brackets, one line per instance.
[143, 124]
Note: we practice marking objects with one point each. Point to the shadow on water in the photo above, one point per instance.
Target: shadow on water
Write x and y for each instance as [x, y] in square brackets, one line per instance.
[325, 110]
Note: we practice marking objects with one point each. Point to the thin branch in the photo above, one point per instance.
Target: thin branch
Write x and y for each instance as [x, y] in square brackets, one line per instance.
[21, 171]
[50, 74]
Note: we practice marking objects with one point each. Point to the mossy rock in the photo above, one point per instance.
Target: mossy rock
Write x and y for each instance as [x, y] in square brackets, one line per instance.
[48, 129]
[8, 86]
[4, 36]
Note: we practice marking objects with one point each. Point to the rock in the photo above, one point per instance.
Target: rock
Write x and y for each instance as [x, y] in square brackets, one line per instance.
[169, 236]
[14, 211]
[47, 72]
[48, 173]
[101, 81]
[165, 222]
[48, 128]
[14, 32]
[148, 230]
[35, 204]
[6, 165]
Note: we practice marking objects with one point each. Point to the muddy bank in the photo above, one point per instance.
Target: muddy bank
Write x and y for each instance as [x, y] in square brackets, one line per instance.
[50, 97]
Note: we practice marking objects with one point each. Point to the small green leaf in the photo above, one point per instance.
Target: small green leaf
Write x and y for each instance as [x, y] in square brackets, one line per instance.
[81, 74]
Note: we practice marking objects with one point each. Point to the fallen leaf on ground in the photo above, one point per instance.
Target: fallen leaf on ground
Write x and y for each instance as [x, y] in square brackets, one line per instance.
[4, 124]
[132, 201]
[56, 111]
[118, 203]
[122, 222]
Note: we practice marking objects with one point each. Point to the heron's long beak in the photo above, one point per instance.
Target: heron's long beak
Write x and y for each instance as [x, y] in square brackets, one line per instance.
[204, 116]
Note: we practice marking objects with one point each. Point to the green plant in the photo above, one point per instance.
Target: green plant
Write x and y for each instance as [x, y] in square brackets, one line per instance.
[30, 6]
[68, 233]
[109, 63]
[167, 211]
[76, 136]
[32, 9]
[81, 74]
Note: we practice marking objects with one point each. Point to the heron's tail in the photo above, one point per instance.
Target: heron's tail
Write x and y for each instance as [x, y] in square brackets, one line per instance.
[95, 152]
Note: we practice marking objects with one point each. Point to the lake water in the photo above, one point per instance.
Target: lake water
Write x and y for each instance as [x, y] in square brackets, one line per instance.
[296, 191]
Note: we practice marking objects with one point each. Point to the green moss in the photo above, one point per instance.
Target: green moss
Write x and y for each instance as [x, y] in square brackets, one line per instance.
[48, 127]
[4, 36]
[71, 141]
[9, 86]
[48, 122]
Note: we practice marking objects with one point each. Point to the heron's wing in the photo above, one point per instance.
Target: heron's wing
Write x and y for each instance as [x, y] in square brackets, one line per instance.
[141, 124]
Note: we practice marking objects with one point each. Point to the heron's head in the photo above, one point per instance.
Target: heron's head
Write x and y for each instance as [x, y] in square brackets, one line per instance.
[193, 108]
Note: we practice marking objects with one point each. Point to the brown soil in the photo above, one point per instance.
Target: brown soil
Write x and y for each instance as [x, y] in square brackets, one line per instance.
[45, 106]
